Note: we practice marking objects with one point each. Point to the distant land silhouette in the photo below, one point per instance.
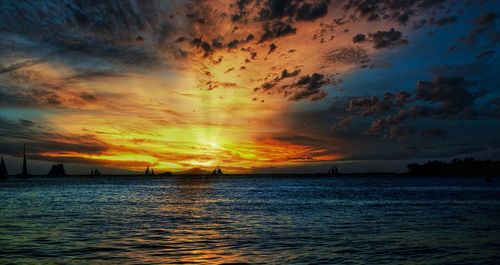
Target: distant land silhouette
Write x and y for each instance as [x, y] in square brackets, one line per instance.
[457, 167]
[194, 171]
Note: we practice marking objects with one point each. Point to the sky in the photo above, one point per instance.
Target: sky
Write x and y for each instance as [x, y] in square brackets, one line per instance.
[251, 86]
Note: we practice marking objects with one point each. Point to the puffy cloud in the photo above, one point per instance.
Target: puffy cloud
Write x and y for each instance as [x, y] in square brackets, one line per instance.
[309, 87]
[310, 11]
[241, 12]
[347, 55]
[277, 29]
[292, 9]
[369, 105]
[203, 45]
[441, 98]
[450, 92]
[391, 10]
[277, 9]
[279, 16]
[386, 39]
[286, 74]
[305, 87]
[359, 38]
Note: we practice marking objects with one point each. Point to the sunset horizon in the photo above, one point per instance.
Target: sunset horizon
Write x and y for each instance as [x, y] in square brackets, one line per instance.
[275, 86]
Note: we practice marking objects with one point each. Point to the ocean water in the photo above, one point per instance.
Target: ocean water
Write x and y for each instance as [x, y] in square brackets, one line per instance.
[250, 220]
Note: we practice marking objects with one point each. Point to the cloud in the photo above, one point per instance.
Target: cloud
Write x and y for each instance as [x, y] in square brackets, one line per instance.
[241, 12]
[32, 98]
[359, 38]
[401, 132]
[451, 93]
[366, 106]
[310, 11]
[308, 87]
[20, 65]
[203, 45]
[26, 123]
[342, 123]
[272, 47]
[277, 29]
[434, 132]
[276, 9]
[482, 24]
[29, 88]
[42, 140]
[485, 54]
[444, 20]
[128, 34]
[390, 10]
[287, 74]
[347, 55]
[491, 108]
[386, 39]
[88, 97]
[291, 9]
[284, 74]
[385, 122]
[305, 87]
[441, 98]
[486, 19]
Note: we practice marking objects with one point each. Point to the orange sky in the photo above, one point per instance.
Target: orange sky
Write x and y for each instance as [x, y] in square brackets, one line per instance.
[182, 85]
[195, 112]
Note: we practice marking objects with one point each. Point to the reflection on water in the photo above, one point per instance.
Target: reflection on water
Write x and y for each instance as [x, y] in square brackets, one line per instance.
[254, 220]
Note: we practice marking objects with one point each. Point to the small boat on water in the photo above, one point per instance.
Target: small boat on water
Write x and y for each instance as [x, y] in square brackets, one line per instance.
[217, 172]
[333, 171]
[3, 170]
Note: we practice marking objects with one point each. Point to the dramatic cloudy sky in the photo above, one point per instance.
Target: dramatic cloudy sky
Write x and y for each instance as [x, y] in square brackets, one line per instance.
[248, 85]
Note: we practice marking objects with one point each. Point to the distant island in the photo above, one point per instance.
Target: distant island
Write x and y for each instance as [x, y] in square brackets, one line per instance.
[457, 167]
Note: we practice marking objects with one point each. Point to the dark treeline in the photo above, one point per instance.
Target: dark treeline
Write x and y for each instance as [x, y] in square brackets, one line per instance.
[457, 167]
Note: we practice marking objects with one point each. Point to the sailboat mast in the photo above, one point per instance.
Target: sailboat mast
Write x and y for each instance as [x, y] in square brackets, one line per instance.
[25, 169]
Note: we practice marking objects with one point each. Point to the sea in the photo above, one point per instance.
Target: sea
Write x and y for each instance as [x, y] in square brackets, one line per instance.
[250, 220]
